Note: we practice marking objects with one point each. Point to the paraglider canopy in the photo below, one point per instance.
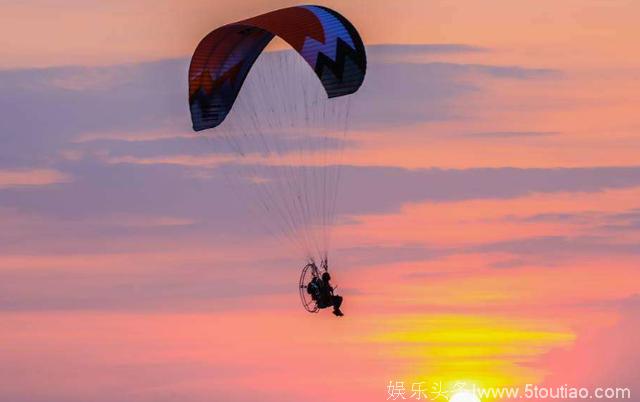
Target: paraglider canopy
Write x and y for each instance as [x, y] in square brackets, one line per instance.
[325, 39]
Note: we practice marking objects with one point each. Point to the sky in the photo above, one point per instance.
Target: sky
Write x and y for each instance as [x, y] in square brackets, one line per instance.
[488, 224]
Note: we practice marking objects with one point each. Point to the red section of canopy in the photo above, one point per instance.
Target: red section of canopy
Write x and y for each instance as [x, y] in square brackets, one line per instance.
[294, 25]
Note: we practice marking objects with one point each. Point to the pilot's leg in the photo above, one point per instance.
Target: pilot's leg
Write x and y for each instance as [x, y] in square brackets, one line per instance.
[337, 301]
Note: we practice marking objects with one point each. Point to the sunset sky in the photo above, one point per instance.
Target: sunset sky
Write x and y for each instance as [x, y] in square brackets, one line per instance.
[489, 227]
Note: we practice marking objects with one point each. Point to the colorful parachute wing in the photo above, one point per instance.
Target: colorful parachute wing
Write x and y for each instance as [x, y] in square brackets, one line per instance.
[325, 39]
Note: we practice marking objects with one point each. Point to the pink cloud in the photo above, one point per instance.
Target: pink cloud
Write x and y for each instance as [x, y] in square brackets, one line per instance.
[32, 177]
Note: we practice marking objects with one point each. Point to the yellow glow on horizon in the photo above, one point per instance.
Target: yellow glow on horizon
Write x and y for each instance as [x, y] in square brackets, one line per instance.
[489, 351]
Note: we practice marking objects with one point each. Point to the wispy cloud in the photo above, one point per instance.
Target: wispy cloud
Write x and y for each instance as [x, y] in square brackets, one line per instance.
[595, 220]
[209, 161]
[137, 136]
[555, 250]
[32, 178]
[513, 72]
[510, 134]
[437, 48]
[400, 52]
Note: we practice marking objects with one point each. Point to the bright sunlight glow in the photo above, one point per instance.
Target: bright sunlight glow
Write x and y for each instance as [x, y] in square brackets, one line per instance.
[464, 396]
